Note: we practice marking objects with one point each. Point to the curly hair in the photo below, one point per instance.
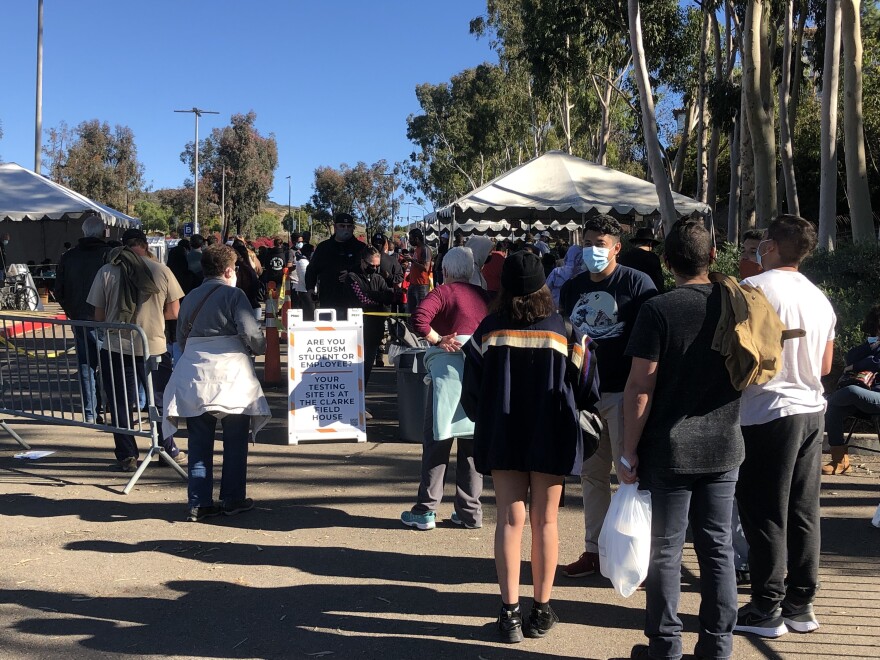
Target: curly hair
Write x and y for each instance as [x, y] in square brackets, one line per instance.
[604, 224]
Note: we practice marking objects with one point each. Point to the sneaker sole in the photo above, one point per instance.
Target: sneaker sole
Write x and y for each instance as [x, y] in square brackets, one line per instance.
[801, 626]
[761, 631]
[534, 633]
[420, 526]
[235, 512]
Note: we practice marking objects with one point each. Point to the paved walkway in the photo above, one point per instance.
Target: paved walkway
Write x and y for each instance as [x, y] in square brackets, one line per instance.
[323, 568]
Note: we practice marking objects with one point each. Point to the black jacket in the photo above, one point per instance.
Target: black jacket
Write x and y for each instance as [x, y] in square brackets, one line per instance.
[391, 270]
[74, 276]
[330, 260]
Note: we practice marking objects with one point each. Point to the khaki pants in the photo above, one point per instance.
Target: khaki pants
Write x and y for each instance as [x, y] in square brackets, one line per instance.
[596, 470]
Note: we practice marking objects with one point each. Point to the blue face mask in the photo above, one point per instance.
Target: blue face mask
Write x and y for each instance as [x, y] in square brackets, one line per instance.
[596, 258]
[872, 340]
[299, 245]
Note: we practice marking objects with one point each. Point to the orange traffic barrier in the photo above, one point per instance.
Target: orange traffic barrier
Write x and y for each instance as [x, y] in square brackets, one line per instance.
[272, 365]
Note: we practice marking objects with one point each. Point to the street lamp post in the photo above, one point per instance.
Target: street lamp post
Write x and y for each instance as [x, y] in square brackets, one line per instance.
[38, 126]
[198, 112]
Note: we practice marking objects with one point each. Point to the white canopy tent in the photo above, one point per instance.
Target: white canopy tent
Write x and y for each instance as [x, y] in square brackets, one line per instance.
[41, 215]
[555, 190]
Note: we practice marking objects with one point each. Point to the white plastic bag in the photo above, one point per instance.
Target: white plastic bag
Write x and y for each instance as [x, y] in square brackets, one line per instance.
[625, 539]
[876, 520]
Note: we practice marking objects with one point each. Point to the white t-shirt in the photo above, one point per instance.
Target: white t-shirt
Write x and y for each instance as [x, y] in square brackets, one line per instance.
[298, 277]
[797, 388]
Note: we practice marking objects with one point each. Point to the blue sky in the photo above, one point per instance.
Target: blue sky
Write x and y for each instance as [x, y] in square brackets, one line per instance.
[334, 80]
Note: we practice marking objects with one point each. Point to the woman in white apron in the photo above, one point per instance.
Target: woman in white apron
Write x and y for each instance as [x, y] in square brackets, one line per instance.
[214, 379]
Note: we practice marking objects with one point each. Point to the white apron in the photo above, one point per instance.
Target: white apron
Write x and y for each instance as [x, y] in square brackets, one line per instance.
[214, 375]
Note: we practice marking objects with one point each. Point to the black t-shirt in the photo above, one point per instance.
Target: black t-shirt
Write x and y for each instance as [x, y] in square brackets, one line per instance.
[605, 311]
[646, 262]
[693, 426]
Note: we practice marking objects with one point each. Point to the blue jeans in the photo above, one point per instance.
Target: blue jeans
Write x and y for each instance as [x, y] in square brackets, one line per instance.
[233, 485]
[706, 500]
[85, 340]
[846, 402]
[415, 294]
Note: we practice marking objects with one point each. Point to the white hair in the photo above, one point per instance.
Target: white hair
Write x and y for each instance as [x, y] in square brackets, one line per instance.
[93, 226]
[458, 264]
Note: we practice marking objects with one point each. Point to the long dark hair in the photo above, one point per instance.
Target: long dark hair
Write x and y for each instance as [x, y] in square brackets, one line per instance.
[523, 310]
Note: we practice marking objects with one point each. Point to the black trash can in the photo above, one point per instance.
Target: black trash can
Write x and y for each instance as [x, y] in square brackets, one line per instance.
[413, 396]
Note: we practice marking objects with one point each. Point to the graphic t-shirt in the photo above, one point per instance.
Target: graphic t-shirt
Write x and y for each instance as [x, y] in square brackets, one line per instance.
[693, 426]
[605, 312]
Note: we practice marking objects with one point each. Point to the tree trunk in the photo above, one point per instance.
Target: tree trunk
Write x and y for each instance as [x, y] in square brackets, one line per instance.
[798, 69]
[605, 130]
[733, 200]
[715, 139]
[853, 129]
[690, 118]
[747, 171]
[703, 109]
[786, 148]
[760, 111]
[828, 158]
[566, 109]
[649, 121]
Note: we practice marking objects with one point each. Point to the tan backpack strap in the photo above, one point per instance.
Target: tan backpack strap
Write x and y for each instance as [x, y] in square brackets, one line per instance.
[793, 334]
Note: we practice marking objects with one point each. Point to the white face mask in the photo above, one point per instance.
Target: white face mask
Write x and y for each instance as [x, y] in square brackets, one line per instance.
[758, 256]
[596, 259]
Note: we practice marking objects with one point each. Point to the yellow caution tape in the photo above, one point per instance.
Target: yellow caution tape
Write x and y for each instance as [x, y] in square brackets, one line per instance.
[386, 314]
[31, 354]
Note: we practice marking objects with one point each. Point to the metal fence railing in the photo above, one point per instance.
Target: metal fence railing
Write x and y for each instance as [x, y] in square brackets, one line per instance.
[49, 368]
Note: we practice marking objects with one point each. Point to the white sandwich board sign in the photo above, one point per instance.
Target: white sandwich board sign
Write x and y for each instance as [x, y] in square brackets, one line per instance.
[325, 360]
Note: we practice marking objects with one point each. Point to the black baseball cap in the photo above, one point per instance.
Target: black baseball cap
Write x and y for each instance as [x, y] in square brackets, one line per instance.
[343, 219]
[133, 233]
[379, 239]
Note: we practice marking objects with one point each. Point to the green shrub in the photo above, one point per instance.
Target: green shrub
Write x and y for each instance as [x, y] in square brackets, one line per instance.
[850, 277]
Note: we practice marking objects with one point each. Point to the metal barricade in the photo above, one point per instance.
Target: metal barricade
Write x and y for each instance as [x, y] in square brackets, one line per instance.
[46, 365]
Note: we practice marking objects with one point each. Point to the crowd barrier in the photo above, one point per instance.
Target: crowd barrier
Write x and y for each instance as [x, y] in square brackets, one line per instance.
[41, 359]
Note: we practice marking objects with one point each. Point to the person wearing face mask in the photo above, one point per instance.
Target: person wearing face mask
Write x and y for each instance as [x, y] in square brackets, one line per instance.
[783, 423]
[300, 298]
[215, 379]
[857, 393]
[749, 265]
[332, 260]
[389, 265]
[367, 289]
[419, 277]
[603, 304]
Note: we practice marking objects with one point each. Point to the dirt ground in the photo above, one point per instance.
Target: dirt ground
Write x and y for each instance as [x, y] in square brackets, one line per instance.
[323, 568]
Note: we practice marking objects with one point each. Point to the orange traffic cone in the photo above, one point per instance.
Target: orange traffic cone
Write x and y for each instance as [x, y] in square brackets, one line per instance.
[272, 364]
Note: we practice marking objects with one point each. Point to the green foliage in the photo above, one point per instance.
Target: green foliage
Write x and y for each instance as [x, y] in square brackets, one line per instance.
[849, 276]
[264, 224]
[96, 161]
[249, 160]
[154, 217]
[365, 191]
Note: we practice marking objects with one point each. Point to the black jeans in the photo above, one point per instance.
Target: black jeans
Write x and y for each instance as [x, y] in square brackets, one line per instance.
[706, 500]
[778, 497]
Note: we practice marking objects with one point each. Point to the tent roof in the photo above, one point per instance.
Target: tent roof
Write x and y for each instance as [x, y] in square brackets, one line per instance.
[558, 185]
[25, 195]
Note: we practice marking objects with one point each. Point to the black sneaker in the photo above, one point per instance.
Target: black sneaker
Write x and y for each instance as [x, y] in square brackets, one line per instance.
[237, 506]
[199, 513]
[751, 619]
[540, 622]
[799, 618]
[510, 625]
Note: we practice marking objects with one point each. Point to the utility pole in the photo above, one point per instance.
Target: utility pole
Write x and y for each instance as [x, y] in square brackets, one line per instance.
[198, 112]
[225, 232]
[289, 217]
[38, 128]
